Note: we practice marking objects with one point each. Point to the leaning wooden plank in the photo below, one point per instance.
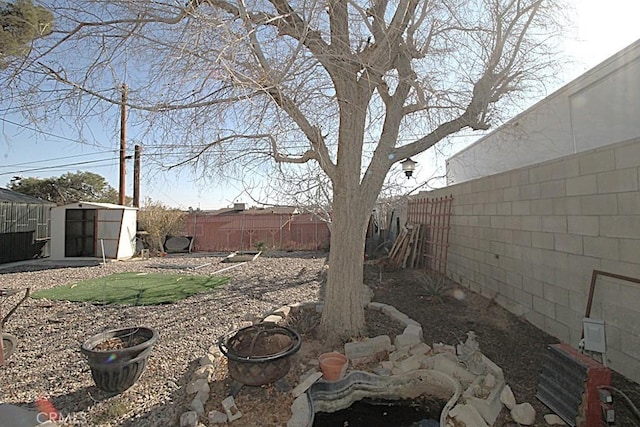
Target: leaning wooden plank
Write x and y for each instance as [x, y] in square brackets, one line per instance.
[397, 243]
[407, 250]
[414, 248]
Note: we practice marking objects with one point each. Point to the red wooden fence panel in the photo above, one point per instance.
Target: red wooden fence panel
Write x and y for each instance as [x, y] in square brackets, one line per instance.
[434, 214]
[247, 231]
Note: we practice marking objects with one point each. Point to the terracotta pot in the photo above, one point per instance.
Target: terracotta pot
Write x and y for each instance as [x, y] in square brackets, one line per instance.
[333, 365]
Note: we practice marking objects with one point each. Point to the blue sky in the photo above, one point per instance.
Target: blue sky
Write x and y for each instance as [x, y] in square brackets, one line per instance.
[600, 32]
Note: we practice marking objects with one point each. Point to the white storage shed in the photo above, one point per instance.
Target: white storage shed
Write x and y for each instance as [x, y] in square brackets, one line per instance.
[90, 229]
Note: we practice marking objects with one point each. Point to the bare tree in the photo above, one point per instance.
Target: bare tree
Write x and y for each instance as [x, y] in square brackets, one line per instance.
[160, 221]
[352, 85]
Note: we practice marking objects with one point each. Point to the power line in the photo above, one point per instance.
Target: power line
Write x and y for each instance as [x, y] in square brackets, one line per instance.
[33, 129]
[56, 158]
[56, 167]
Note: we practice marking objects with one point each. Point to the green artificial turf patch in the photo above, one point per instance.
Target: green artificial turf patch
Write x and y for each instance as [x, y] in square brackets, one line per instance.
[133, 289]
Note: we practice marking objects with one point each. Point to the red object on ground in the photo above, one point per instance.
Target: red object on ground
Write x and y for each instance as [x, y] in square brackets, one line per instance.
[45, 407]
[597, 375]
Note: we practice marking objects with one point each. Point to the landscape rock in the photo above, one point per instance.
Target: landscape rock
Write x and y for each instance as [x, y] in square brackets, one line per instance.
[301, 413]
[524, 414]
[554, 420]
[200, 384]
[406, 340]
[189, 419]
[420, 348]
[197, 406]
[272, 318]
[414, 330]
[229, 405]
[202, 396]
[507, 397]
[468, 415]
[217, 417]
[490, 381]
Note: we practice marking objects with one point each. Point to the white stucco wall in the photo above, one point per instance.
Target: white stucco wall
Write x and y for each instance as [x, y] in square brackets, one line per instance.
[599, 108]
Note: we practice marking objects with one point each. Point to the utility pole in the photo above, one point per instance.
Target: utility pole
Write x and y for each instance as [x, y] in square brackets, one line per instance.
[136, 176]
[123, 144]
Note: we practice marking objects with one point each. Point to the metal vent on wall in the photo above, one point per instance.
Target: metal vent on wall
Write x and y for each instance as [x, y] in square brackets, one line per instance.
[562, 384]
[569, 385]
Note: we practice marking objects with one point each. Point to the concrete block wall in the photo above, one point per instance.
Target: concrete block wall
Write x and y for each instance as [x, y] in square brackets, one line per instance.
[530, 238]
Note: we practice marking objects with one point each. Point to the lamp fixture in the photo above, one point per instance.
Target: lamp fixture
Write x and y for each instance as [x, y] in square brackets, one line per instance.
[408, 166]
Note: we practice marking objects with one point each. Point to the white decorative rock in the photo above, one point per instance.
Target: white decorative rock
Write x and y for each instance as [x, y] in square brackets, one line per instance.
[468, 415]
[420, 348]
[202, 396]
[217, 417]
[300, 413]
[507, 397]
[197, 406]
[189, 419]
[554, 420]
[490, 381]
[229, 405]
[200, 384]
[283, 311]
[524, 414]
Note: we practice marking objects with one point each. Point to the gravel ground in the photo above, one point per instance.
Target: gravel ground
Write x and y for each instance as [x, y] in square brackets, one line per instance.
[48, 363]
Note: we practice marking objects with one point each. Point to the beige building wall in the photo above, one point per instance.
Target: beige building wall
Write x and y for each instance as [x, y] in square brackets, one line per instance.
[530, 238]
[598, 108]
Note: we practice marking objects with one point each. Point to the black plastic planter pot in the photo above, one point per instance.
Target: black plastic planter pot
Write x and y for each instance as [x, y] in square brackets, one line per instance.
[259, 354]
[118, 357]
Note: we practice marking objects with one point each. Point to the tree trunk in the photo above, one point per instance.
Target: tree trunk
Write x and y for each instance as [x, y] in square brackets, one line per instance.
[343, 312]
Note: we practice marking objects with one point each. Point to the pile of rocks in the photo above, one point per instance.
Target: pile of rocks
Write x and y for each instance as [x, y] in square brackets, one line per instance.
[481, 394]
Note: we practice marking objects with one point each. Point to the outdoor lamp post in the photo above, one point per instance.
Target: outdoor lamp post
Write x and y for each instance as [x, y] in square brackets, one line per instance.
[408, 166]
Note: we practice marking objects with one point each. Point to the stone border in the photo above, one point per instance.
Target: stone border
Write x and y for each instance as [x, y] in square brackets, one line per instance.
[485, 390]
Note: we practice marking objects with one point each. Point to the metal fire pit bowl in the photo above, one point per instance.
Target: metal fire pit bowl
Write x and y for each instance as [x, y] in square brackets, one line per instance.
[259, 354]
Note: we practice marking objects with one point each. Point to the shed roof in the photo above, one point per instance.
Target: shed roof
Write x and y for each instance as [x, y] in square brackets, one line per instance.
[7, 195]
[96, 205]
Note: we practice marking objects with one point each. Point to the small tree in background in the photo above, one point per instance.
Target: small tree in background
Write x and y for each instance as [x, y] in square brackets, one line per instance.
[21, 23]
[159, 221]
[68, 188]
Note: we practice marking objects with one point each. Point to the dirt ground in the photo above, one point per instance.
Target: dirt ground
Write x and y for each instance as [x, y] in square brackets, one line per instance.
[511, 342]
[514, 344]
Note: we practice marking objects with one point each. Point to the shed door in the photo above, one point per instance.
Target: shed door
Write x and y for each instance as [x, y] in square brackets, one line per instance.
[80, 233]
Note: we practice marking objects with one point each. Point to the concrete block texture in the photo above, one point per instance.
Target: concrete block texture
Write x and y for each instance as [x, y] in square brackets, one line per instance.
[601, 204]
[622, 226]
[583, 225]
[568, 243]
[618, 181]
[627, 156]
[599, 161]
[540, 233]
[581, 185]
